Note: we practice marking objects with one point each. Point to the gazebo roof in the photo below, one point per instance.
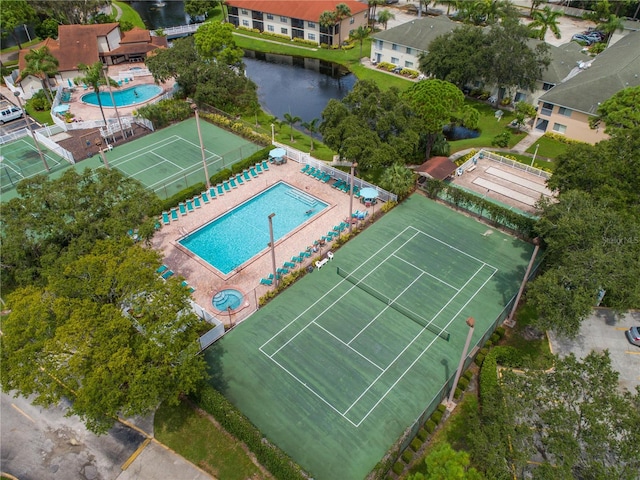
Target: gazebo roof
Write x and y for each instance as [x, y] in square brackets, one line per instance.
[437, 167]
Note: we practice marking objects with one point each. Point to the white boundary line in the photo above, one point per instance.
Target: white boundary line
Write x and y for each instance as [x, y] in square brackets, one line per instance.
[383, 371]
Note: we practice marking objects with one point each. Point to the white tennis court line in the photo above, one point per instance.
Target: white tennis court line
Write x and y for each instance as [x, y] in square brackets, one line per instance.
[506, 191]
[427, 273]
[518, 180]
[362, 265]
[348, 346]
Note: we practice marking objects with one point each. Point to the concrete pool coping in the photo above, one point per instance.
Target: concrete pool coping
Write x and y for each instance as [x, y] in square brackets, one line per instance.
[207, 280]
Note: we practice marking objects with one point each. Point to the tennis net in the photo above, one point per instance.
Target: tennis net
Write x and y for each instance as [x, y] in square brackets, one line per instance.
[410, 314]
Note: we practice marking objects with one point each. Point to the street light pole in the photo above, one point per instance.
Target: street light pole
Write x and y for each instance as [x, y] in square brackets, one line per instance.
[353, 167]
[33, 135]
[273, 134]
[534, 155]
[204, 157]
[510, 322]
[273, 249]
[471, 323]
[105, 70]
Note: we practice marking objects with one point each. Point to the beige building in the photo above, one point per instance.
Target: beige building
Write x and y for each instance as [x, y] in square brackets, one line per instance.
[297, 19]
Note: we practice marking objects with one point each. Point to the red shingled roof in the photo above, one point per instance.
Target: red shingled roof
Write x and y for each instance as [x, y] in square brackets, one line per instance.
[437, 167]
[136, 35]
[309, 10]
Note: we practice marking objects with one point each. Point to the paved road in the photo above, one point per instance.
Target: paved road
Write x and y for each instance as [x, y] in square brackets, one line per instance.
[604, 330]
[39, 443]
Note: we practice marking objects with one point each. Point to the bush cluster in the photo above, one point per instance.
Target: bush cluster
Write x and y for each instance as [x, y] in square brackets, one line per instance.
[237, 127]
[489, 376]
[501, 140]
[415, 445]
[39, 101]
[407, 456]
[165, 112]
[398, 467]
[561, 138]
[234, 422]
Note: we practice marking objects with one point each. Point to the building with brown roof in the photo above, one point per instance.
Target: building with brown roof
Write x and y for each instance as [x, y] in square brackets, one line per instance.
[88, 44]
[439, 168]
[297, 18]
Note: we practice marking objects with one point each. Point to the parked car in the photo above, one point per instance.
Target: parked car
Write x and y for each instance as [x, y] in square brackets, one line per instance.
[595, 37]
[633, 335]
[9, 112]
[581, 38]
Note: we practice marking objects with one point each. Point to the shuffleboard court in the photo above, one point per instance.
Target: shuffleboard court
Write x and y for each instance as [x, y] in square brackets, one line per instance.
[506, 191]
[339, 365]
[518, 180]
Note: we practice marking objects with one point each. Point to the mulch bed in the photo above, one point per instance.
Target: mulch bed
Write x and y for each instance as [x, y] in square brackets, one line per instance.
[82, 143]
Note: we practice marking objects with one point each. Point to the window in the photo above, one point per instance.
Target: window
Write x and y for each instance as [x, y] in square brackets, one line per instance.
[547, 86]
[409, 50]
[284, 19]
[547, 108]
[244, 12]
[269, 16]
[270, 28]
[564, 111]
[284, 31]
[312, 36]
[311, 25]
[379, 44]
[408, 64]
[394, 47]
[559, 128]
[245, 23]
[395, 60]
[520, 97]
[352, 21]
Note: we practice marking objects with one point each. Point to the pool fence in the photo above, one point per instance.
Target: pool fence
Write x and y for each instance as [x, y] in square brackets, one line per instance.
[494, 157]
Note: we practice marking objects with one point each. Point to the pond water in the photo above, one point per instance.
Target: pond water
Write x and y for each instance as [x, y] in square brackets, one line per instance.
[156, 14]
[299, 86]
[459, 133]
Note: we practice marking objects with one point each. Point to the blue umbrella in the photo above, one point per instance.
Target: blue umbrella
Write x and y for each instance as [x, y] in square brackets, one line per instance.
[69, 82]
[369, 193]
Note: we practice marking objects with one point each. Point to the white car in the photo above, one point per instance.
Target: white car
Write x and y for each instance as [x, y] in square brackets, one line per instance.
[9, 112]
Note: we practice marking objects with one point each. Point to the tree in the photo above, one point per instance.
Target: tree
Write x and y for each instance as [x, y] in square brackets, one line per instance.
[619, 112]
[69, 12]
[342, 11]
[445, 463]
[546, 19]
[41, 64]
[448, 3]
[384, 16]
[398, 179]
[579, 422]
[328, 21]
[371, 14]
[15, 14]
[95, 78]
[612, 25]
[534, 5]
[51, 217]
[214, 41]
[455, 56]
[48, 28]
[360, 34]
[291, 121]
[106, 332]
[312, 128]
[434, 102]
[523, 110]
[199, 8]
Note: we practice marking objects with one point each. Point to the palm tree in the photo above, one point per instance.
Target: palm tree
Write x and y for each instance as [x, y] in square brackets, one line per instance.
[41, 64]
[384, 16]
[94, 77]
[398, 179]
[291, 121]
[328, 20]
[360, 34]
[546, 19]
[373, 5]
[311, 127]
[342, 11]
[610, 26]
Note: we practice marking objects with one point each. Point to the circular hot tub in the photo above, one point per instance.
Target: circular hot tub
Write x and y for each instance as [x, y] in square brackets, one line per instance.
[226, 299]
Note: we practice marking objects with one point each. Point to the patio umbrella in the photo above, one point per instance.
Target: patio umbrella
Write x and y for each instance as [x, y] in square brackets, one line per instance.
[61, 109]
[277, 153]
[369, 193]
[69, 82]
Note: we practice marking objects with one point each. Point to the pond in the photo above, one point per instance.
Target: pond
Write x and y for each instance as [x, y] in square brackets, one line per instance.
[299, 86]
[459, 133]
[159, 14]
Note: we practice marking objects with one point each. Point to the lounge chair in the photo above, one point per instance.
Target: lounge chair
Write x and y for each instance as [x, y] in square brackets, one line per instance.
[246, 175]
[270, 276]
[183, 208]
[189, 205]
[305, 168]
[161, 269]
[165, 218]
[258, 168]
[205, 197]
[311, 171]
[337, 184]
[239, 179]
[282, 271]
[167, 274]
[226, 186]
[232, 182]
[174, 214]
[253, 172]
[326, 178]
[304, 254]
[289, 265]
[265, 164]
[196, 202]
[266, 281]
[220, 189]
[212, 192]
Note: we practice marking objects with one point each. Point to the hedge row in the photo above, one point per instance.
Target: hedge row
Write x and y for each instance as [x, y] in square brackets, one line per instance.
[234, 422]
[489, 376]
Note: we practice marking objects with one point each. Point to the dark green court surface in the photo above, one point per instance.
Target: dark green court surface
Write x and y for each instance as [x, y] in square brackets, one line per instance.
[337, 367]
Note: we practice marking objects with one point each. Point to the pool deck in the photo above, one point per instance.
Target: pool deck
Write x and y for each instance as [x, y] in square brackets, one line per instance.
[85, 112]
[207, 280]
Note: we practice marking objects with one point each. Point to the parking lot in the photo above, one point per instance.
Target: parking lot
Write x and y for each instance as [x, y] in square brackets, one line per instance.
[604, 330]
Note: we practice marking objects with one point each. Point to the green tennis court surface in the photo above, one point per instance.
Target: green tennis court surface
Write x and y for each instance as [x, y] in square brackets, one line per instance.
[20, 159]
[170, 159]
[338, 366]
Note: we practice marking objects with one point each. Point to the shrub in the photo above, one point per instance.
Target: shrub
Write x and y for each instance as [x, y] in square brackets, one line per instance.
[398, 467]
[484, 351]
[442, 408]
[39, 101]
[423, 434]
[165, 112]
[181, 196]
[509, 357]
[436, 417]
[430, 426]
[488, 344]
[495, 338]
[479, 359]
[407, 456]
[416, 444]
[468, 374]
[489, 376]
[501, 140]
[457, 394]
[463, 383]
[500, 331]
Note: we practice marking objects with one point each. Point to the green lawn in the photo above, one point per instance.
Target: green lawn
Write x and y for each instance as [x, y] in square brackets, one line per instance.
[129, 14]
[549, 148]
[537, 351]
[43, 118]
[204, 444]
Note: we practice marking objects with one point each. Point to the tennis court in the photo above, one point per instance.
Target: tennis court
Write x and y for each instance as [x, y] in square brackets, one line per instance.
[170, 160]
[339, 365]
[20, 159]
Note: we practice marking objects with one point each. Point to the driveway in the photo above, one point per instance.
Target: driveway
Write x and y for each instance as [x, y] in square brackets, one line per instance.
[604, 330]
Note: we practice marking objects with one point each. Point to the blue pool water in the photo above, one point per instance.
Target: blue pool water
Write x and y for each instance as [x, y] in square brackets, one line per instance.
[233, 238]
[227, 298]
[124, 98]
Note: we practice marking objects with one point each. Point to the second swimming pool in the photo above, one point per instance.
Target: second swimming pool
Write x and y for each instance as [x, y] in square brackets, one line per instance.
[237, 236]
[124, 98]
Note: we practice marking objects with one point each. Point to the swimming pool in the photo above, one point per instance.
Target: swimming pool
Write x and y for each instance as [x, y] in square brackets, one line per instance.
[124, 98]
[230, 240]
